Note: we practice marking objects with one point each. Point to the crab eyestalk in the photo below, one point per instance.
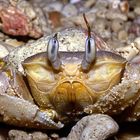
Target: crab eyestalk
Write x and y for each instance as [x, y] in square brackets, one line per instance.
[90, 49]
[52, 53]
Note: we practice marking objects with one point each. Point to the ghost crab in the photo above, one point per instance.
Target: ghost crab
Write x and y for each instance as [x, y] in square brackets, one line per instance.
[40, 86]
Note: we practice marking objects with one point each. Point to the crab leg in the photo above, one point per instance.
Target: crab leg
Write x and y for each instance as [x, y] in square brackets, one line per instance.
[122, 95]
[18, 109]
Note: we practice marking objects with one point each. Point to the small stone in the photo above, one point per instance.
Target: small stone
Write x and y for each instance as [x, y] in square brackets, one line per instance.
[2, 36]
[131, 15]
[79, 20]
[89, 3]
[101, 13]
[42, 19]
[130, 135]
[14, 42]
[137, 20]
[54, 136]
[27, 8]
[115, 4]
[18, 135]
[63, 138]
[135, 29]
[102, 27]
[55, 18]
[116, 15]
[137, 42]
[101, 4]
[39, 136]
[100, 24]
[137, 10]
[2, 137]
[124, 6]
[13, 2]
[117, 24]
[54, 6]
[122, 35]
[74, 1]
[69, 10]
[22, 135]
[131, 38]
[93, 127]
[127, 26]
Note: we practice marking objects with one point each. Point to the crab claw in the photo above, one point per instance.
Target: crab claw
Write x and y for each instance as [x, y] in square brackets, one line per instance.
[120, 96]
[20, 112]
[15, 109]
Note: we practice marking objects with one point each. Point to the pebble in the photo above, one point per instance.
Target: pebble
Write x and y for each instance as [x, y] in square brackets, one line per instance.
[137, 20]
[18, 135]
[2, 137]
[27, 8]
[111, 15]
[55, 19]
[22, 135]
[74, 1]
[115, 4]
[63, 138]
[131, 38]
[128, 136]
[53, 6]
[42, 19]
[93, 127]
[117, 24]
[137, 41]
[102, 28]
[106, 34]
[102, 4]
[137, 10]
[14, 42]
[100, 24]
[79, 21]
[101, 13]
[124, 6]
[127, 26]
[135, 29]
[122, 35]
[2, 36]
[131, 15]
[39, 136]
[54, 136]
[69, 10]
[13, 2]
[89, 3]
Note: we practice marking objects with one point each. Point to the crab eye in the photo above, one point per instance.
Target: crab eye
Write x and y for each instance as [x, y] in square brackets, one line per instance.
[52, 52]
[90, 53]
[90, 50]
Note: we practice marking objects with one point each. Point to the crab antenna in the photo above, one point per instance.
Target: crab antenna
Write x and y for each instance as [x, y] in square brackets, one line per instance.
[90, 49]
[52, 52]
[88, 26]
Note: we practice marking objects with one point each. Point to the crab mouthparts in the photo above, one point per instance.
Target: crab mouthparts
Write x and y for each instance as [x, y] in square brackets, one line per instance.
[71, 97]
